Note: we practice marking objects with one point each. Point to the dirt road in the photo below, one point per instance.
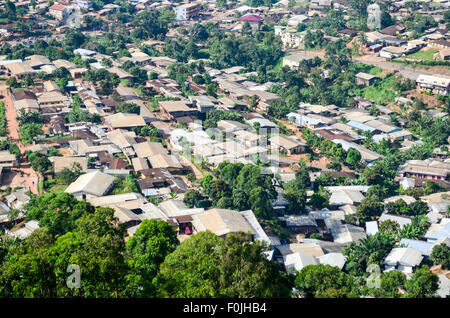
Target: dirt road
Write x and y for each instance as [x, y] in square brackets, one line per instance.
[23, 176]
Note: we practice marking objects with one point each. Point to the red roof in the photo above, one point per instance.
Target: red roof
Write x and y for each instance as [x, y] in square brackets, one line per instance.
[57, 7]
[251, 18]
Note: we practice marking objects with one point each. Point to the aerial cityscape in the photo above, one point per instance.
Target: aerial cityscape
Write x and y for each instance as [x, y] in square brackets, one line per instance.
[224, 149]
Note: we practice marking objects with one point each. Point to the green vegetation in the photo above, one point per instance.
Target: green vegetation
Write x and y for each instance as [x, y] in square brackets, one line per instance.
[3, 124]
[427, 55]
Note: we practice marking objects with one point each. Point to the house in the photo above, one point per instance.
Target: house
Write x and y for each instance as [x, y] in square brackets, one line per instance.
[253, 19]
[437, 202]
[435, 83]
[93, 184]
[124, 121]
[59, 11]
[365, 79]
[345, 196]
[221, 222]
[371, 227]
[17, 199]
[443, 55]
[425, 169]
[187, 11]
[148, 149]
[297, 261]
[169, 162]
[439, 231]
[59, 163]
[300, 224]
[344, 233]
[260, 235]
[305, 121]
[333, 259]
[139, 164]
[404, 259]
[20, 69]
[231, 125]
[287, 144]
[424, 247]
[401, 220]
[175, 109]
[291, 39]
[293, 60]
[26, 229]
[85, 4]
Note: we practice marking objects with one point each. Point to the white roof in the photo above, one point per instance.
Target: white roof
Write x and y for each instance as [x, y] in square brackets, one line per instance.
[371, 227]
[95, 183]
[333, 259]
[299, 260]
[405, 256]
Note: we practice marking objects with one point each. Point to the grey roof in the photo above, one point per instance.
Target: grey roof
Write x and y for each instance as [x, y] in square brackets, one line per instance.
[444, 286]
[249, 216]
[401, 220]
[405, 256]
[299, 260]
[333, 259]
[94, 183]
[424, 247]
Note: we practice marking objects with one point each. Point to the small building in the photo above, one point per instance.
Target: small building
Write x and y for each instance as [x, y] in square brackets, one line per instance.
[174, 109]
[286, 144]
[404, 259]
[365, 79]
[297, 261]
[435, 83]
[300, 224]
[93, 184]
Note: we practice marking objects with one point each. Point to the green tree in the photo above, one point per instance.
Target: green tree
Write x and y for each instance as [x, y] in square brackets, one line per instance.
[192, 197]
[390, 285]
[324, 281]
[146, 250]
[441, 255]
[353, 158]
[207, 266]
[422, 284]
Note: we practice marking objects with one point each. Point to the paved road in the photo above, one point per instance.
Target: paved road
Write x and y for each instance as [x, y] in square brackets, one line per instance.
[406, 71]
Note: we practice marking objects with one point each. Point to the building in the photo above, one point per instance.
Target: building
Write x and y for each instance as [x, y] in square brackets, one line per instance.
[297, 261]
[59, 11]
[222, 222]
[365, 79]
[290, 37]
[175, 109]
[124, 121]
[93, 184]
[404, 259]
[288, 145]
[186, 11]
[84, 4]
[425, 169]
[435, 83]
[293, 60]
